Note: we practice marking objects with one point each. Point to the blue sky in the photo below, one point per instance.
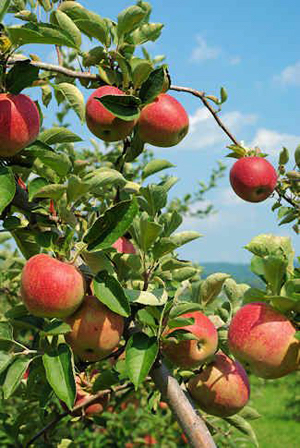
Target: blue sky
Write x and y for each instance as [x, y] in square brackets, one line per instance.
[251, 48]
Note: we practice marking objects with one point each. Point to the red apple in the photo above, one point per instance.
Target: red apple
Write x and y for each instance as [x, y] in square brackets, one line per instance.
[124, 246]
[164, 122]
[253, 178]
[222, 388]
[103, 123]
[192, 353]
[19, 123]
[96, 330]
[264, 339]
[51, 288]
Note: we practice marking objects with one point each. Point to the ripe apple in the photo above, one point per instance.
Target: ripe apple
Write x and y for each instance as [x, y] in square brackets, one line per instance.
[253, 178]
[222, 388]
[192, 353]
[264, 339]
[124, 246]
[103, 123]
[51, 288]
[164, 122]
[19, 123]
[96, 330]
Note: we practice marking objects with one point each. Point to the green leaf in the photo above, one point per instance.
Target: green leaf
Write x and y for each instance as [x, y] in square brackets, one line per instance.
[46, 95]
[141, 351]
[105, 380]
[14, 375]
[58, 135]
[93, 56]
[39, 33]
[129, 19]
[155, 198]
[141, 70]
[5, 360]
[154, 166]
[109, 291]
[185, 237]
[297, 156]
[26, 242]
[135, 149]
[20, 76]
[184, 273]
[148, 31]
[163, 247]
[156, 297]
[7, 187]
[4, 5]
[223, 95]
[283, 156]
[59, 162]
[249, 413]
[291, 289]
[243, 426]
[183, 308]
[153, 86]
[45, 4]
[53, 191]
[76, 188]
[275, 272]
[111, 225]
[35, 185]
[171, 221]
[148, 232]
[64, 22]
[180, 322]
[125, 107]
[87, 21]
[211, 287]
[6, 332]
[181, 335]
[74, 98]
[55, 327]
[59, 367]
[103, 177]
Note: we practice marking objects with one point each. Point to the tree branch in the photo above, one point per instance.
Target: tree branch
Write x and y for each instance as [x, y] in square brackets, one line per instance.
[206, 103]
[183, 410]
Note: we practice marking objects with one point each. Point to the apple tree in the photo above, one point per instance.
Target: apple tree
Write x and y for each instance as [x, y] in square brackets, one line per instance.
[98, 305]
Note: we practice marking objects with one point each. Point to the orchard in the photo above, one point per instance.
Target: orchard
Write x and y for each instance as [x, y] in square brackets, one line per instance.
[101, 320]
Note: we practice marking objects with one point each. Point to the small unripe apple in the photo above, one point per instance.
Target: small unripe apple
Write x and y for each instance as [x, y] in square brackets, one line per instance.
[264, 339]
[19, 123]
[95, 330]
[102, 123]
[51, 288]
[164, 122]
[253, 178]
[222, 388]
[124, 246]
[192, 353]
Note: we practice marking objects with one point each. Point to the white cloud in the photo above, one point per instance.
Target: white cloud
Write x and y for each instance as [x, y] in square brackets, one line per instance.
[204, 131]
[204, 52]
[273, 141]
[235, 60]
[290, 75]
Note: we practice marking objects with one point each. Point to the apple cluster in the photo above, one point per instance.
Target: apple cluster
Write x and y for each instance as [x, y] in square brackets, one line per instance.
[260, 338]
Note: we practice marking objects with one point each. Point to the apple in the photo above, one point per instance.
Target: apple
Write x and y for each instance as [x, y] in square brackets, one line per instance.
[192, 353]
[19, 123]
[51, 288]
[124, 246]
[95, 330]
[264, 339]
[102, 123]
[164, 122]
[222, 388]
[253, 178]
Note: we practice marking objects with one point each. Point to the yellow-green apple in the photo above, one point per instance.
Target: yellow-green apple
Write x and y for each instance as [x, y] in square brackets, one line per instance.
[164, 122]
[103, 123]
[264, 339]
[19, 123]
[222, 388]
[95, 330]
[253, 178]
[124, 246]
[51, 288]
[192, 353]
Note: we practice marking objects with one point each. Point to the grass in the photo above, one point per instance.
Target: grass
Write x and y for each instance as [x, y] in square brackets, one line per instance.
[278, 427]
